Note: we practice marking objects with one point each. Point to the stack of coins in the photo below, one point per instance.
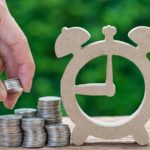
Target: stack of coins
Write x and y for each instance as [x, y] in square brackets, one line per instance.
[58, 135]
[49, 109]
[26, 112]
[34, 132]
[13, 85]
[10, 131]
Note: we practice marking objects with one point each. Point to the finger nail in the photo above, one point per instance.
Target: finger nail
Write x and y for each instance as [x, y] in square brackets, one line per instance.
[11, 108]
[26, 84]
[28, 88]
[13, 105]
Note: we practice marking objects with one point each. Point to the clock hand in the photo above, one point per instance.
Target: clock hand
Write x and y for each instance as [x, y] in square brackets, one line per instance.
[111, 89]
[109, 73]
[91, 89]
[96, 89]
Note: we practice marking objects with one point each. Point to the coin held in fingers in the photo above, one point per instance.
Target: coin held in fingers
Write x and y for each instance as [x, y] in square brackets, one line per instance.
[13, 85]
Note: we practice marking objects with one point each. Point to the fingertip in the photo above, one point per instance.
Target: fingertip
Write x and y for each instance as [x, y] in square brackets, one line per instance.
[8, 106]
[11, 100]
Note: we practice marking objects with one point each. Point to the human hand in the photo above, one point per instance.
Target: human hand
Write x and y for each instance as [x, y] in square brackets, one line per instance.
[15, 56]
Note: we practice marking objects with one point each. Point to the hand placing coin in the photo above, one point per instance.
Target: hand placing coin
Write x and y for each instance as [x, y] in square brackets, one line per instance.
[15, 56]
[13, 89]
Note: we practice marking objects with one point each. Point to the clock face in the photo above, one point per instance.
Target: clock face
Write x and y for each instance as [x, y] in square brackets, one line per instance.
[129, 84]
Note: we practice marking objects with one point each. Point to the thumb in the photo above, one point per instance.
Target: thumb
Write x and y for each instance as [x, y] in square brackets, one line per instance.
[3, 92]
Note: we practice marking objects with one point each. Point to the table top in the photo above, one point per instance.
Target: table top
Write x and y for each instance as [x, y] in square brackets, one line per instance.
[92, 143]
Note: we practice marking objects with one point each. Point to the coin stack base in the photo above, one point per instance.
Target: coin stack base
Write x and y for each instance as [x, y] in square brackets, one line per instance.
[10, 131]
[34, 132]
[58, 135]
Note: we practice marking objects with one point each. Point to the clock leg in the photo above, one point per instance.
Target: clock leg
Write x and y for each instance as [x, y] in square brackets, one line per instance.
[78, 136]
[141, 136]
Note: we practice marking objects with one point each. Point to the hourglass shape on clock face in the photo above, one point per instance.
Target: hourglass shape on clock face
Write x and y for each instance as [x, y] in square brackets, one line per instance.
[71, 41]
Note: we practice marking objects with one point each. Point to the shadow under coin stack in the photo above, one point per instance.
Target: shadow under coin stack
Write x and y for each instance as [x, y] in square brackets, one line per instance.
[58, 135]
[26, 112]
[49, 109]
[10, 131]
[34, 132]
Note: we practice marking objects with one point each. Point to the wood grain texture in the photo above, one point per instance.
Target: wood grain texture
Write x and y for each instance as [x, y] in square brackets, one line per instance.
[93, 143]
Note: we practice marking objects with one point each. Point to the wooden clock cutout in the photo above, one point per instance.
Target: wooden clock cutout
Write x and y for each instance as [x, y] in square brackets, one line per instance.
[70, 41]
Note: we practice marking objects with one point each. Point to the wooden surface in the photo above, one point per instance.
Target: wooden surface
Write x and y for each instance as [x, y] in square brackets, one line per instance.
[126, 143]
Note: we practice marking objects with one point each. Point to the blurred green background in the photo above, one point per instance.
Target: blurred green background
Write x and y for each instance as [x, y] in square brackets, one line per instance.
[42, 21]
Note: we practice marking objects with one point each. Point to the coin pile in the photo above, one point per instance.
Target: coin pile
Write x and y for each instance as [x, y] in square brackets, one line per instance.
[58, 135]
[13, 85]
[24, 128]
[10, 131]
[26, 112]
[34, 132]
[49, 109]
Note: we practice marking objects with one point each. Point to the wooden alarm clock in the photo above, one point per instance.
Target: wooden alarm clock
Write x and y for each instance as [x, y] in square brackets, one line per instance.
[70, 41]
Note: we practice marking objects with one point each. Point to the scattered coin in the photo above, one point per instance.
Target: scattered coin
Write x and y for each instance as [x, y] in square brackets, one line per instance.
[26, 112]
[49, 109]
[13, 85]
[34, 132]
[10, 131]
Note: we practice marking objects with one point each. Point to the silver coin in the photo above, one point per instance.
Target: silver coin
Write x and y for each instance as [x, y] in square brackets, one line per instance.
[58, 126]
[26, 112]
[10, 120]
[13, 85]
[49, 100]
[48, 105]
[33, 121]
[9, 117]
[57, 144]
[10, 129]
[49, 110]
[47, 116]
